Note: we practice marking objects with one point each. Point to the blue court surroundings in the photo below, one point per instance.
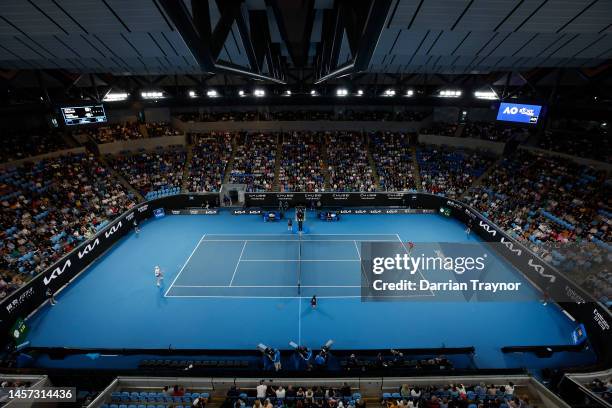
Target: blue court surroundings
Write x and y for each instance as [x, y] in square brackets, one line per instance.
[231, 282]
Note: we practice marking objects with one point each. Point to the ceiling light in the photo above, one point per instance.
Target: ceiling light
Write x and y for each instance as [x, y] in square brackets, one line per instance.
[259, 93]
[341, 92]
[152, 94]
[114, 97]
[389, 92]
[211, 93]
[241, 93]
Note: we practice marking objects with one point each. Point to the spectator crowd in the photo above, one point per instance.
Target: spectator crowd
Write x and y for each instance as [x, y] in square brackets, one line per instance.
[560, 208]
[151, 170]
[211, 154]
[255, 160]
[349, 167]
[48, 208]
[302, 162]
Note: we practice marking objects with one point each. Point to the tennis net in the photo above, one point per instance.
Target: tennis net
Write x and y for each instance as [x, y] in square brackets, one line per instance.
[299, 265]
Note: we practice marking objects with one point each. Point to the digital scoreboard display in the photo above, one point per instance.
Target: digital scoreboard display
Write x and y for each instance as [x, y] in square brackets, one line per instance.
[519, 113]
[83, 115]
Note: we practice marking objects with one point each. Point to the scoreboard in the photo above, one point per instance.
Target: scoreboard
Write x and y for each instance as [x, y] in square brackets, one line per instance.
[83, 115]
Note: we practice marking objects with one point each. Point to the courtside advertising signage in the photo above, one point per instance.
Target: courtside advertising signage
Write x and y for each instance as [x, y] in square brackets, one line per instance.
[518, 112]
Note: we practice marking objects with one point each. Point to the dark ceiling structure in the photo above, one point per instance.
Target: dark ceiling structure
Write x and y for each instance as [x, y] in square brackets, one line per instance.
[88, 48]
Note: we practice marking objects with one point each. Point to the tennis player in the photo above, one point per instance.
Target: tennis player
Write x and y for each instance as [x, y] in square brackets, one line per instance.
[410, 248]
[313, 302]
[159, 275]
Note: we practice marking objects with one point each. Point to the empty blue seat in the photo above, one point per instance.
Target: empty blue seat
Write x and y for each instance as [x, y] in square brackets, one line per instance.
[396, 395]
[356, 396]
[386, 395]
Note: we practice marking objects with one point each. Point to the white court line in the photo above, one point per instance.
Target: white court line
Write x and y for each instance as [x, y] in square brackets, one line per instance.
[185, 264]
[308, 235]
[266, 286]
[296, 241]
[408, 252]
[299, 260]
[357, 248]
[300, 321]
[238, 263]
[294, 297]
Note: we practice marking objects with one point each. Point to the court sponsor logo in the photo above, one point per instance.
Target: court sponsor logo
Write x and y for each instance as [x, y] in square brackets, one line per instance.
[368, 196]
[340, 196]
[600, 320]
[541, 271]
[511, 247]
[470, 214]
[15, 303]
[573, 295]
[488, 228]
[143, 208]
[257, 197]
[239, 212]
[313, 196]
[113, 229]
[175, 212]
[454, 204]
[395, 196]
[285, 196]
[57, 272]
[129, 217]
[88, 248]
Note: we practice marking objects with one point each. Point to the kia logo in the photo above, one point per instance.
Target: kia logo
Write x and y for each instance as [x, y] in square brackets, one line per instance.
[113, 229]
[510, 246]
[541, 271]
[57, 272]
[487, 228]
[88, 248]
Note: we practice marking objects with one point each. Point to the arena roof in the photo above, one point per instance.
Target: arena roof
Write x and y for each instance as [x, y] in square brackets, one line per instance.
[270, 38]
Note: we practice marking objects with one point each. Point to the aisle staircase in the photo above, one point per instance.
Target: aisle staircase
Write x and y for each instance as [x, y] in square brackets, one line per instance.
[325, 164]
[121, 179]
[143, 130]
[459, 130]
[483, 176]
[372, 163]
[230, 163]
[417, 169]
[187, 167]
[277, 164]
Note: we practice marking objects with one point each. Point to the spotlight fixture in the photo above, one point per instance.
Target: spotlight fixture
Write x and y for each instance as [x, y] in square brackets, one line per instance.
[341, 92]
[211, 93]
[259, 93]
[389, 92]
[115, 97]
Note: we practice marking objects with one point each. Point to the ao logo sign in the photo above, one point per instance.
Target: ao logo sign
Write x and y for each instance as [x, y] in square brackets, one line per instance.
[516, 112]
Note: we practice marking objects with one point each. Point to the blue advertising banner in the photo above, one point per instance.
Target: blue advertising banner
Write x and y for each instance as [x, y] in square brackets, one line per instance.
[518, 112]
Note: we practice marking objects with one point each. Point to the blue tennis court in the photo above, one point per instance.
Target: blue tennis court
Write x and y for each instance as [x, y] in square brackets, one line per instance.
[232, 282]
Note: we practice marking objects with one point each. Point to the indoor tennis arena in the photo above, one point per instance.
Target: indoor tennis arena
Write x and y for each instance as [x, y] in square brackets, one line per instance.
[305, 203]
